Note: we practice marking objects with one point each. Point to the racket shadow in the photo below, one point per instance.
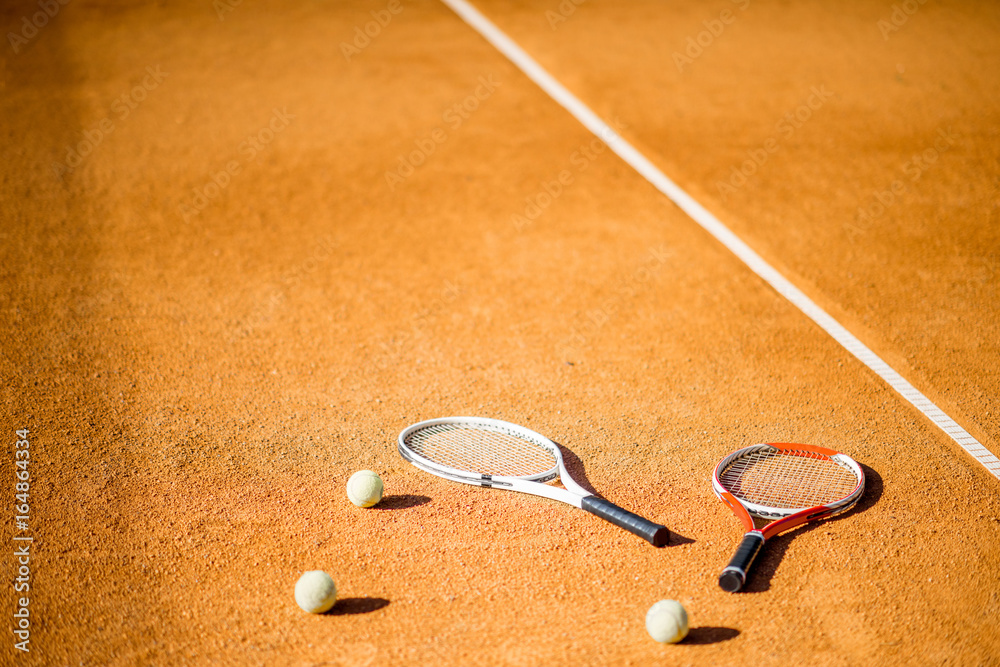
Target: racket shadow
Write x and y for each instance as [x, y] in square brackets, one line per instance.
[576, 470]
[770, 558]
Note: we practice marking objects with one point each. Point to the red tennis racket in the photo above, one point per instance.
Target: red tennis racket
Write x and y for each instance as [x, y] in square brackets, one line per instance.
[787, 484]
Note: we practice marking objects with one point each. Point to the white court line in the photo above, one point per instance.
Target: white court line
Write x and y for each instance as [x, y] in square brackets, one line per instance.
[713, 226]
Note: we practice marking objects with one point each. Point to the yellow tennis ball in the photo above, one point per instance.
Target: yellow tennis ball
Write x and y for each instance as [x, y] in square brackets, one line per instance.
[315, 591]
[667, 622]
[364, 488]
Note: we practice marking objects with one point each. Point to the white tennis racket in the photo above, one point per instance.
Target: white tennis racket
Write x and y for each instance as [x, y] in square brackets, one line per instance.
[498, 455]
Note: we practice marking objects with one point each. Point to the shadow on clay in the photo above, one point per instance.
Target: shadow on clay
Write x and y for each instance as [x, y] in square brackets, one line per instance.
[710, 635]
[348, 606]
[576, 470]
[401, 502]
[676, 539]
[759, 579]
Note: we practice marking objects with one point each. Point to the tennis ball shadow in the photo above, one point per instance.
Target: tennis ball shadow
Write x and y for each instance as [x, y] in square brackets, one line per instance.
[709, 635]
[401, 502]
[759, 579]
[348, 606]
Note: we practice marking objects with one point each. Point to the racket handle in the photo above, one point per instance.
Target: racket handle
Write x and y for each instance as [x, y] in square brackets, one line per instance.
[735, 575]
[653, 533]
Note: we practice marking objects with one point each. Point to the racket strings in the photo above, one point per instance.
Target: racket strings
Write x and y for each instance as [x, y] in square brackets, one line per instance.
[481, 449]
[788, 480]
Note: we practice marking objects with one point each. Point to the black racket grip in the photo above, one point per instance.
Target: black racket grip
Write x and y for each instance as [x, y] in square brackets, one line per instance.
[735, 575]
[653, 533]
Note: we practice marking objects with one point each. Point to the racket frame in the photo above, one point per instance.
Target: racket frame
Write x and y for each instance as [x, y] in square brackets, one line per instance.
[534, 484]
[782, 518]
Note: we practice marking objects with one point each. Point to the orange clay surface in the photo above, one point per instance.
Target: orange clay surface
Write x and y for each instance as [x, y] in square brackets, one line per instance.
[207, 337]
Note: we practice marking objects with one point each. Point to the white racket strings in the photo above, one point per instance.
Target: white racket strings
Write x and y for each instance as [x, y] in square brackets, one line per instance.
[482, 449]
[781, 480]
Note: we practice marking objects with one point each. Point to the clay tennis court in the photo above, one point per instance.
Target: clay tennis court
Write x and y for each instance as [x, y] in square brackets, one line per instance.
[246, 243]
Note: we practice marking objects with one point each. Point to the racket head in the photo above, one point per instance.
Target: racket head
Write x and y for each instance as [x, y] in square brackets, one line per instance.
[778, 480]
[475, 450]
